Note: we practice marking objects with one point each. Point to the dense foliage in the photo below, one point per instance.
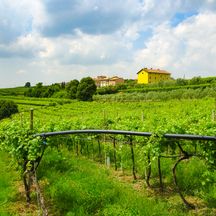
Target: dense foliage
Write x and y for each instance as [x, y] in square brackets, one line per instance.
[71, 88]
[83, 90]
[7, 108]
[107, 90]
[43, 91]
[86, 89]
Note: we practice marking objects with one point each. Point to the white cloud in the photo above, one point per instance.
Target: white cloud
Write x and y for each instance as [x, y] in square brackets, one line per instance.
[188, 48]
[26, 46]
[20, 17]
[84, 49]
[60, 40]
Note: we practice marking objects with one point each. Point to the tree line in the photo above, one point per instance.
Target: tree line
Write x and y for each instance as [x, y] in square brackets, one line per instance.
[83, 90]
[86, 88]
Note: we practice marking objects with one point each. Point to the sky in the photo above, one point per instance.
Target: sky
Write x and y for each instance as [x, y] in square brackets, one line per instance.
[53, 41]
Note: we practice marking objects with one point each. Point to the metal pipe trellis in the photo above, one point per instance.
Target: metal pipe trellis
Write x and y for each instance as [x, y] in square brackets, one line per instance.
[122, 132]
[144, 134]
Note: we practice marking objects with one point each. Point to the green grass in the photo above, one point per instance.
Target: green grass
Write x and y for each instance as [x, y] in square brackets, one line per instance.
[12, 91]
[37, 102]
[77, 186]
[7, 188]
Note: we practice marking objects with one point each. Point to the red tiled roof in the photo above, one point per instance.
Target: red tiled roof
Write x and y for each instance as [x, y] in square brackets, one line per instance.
[153, 71]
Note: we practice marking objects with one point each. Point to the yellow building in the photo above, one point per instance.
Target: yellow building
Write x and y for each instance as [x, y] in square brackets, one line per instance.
[146, 76]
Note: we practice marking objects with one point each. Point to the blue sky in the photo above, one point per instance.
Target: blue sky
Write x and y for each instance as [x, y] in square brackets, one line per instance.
[59, 40]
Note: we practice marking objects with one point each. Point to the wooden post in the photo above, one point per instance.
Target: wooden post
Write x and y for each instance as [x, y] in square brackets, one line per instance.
[160, 174]
[121, 161]
[142, 117]
[87, 149]
[133, 159]
[31, 118]
[148, 170]
[81, 147]
[77, 147]
[114, 145]
[99, 150]
[92, 150]
[104, 124]
[108, 161]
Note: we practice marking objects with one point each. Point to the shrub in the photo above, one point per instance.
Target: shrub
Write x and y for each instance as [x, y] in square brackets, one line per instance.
[107, 90]
[7, 108]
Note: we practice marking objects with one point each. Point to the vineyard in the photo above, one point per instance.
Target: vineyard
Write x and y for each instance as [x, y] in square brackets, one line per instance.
[75, 171]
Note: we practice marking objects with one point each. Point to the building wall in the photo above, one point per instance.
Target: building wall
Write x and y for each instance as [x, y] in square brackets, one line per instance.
[101, 81]
[155, 77]
[116, 81]
[145, 77]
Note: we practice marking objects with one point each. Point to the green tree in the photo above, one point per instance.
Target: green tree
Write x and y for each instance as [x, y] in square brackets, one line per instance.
[48, 91]
[86, 89]
[38, 90]
[27, 84]
[63, 84]
[71, 88]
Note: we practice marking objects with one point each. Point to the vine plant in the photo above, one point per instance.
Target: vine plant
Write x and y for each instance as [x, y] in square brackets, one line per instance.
[25, 149]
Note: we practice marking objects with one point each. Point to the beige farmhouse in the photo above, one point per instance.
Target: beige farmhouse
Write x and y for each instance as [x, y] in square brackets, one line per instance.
[103, 81]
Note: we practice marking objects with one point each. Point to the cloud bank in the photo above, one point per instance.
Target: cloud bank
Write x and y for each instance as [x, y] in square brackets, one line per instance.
[53, 41]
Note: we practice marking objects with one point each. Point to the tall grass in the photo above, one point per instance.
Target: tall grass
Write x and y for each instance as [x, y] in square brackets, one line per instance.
[7, 188]
[77, 186]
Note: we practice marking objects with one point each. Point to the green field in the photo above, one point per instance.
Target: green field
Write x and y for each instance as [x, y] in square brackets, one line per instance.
[18, 91]
[75, 178]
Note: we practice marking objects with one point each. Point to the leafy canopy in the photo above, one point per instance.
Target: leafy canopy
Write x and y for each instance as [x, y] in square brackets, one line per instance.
[86, 89]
